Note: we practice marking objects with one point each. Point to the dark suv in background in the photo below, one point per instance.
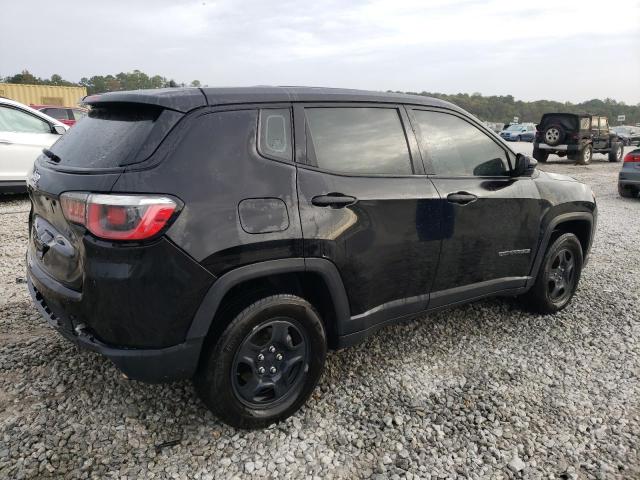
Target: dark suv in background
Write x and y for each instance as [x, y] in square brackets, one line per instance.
[577, 136]
[233, 235]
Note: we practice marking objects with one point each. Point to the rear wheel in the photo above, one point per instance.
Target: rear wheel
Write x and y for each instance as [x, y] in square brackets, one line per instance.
[558, 277]
[265, 364]
[615, 154]
[627, 191]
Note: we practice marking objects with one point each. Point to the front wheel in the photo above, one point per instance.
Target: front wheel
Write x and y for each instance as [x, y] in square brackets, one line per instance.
[265, 364]
[584, 156]
[558, 277]
[615, 154]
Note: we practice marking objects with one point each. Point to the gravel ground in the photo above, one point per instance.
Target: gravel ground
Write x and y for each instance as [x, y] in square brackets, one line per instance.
[481, 391]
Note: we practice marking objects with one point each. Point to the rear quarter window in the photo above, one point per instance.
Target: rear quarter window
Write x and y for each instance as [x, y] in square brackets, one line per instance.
[274, 137]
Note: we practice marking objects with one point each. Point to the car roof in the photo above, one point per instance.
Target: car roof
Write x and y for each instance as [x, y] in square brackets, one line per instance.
[185, 99]
[569, 114]
[38, 106]
[38, 113]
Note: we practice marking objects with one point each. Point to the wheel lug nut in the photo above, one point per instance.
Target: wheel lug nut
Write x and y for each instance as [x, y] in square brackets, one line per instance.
[261, 370]
[272, 349]
[273, 370]
[279, 356]
[260, 357]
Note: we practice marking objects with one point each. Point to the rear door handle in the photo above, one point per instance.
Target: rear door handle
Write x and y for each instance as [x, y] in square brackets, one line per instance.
[333, 200]
[461, 198]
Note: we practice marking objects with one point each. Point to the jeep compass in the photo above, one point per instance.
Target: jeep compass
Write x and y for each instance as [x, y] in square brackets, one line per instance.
[234, 235]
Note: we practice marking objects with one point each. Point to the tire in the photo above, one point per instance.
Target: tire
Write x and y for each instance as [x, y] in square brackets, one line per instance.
[627, 191]
[554, 287]
[553, 135]
[540, 155]
[616, 152]
[518, 138]
[585, 155]
[228, 379]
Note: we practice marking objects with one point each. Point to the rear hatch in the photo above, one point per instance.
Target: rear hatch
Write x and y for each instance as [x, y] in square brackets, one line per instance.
[89, 158]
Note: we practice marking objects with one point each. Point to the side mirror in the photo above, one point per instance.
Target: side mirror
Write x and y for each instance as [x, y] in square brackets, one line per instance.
[524, 166]
[59, 129]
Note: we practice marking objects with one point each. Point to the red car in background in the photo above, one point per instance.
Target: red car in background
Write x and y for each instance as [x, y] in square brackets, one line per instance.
[67, 115]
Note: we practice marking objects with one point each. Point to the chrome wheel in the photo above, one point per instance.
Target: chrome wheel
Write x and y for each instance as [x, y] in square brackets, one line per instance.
[586, 155]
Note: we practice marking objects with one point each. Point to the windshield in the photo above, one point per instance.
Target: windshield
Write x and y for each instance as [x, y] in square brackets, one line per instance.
[514, 128]
[621, 129]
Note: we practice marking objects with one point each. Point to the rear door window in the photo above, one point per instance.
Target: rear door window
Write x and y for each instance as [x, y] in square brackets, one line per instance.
[357, 140]
[111, 137]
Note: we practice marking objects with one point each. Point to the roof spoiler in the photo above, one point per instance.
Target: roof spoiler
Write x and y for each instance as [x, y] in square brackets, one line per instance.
[181, 100]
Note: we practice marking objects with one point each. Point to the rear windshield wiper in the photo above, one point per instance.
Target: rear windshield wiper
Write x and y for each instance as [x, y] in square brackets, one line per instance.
[54, 158]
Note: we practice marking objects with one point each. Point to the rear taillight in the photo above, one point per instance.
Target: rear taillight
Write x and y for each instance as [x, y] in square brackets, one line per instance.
[119, 217]
[632, 157]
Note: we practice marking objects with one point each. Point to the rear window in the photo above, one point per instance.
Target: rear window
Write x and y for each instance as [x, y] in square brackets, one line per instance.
[109, 137]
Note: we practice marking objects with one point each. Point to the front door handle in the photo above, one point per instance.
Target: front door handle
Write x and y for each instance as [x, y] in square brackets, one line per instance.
[461, 198]
[6, 142]
[333, 200]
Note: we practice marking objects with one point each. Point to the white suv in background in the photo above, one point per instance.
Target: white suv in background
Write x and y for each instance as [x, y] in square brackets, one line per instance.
[24, 132]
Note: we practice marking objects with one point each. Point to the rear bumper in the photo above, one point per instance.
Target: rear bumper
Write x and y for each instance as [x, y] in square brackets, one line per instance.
[629, 178]
[558, 148]
[147, 365]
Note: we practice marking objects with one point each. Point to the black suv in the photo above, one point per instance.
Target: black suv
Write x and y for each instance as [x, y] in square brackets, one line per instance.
[233, 235]
[575, 136]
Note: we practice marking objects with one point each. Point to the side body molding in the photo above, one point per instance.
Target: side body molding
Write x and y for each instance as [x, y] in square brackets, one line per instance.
[327, 270]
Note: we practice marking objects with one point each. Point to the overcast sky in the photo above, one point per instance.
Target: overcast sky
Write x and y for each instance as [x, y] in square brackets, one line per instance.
[533, 49]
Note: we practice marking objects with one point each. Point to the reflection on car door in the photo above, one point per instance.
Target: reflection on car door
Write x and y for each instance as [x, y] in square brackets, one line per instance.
[490, 219]
[366, 205]
[22, 138]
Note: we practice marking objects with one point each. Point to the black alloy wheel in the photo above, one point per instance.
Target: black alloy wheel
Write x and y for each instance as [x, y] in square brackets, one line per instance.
[265, 363]
[557, 278]
[270, 362]
[561, 276]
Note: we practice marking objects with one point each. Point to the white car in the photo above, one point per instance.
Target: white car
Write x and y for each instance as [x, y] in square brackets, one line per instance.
[24, 132]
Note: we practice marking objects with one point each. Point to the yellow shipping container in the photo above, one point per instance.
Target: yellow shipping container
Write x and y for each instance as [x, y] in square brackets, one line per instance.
[43, 94]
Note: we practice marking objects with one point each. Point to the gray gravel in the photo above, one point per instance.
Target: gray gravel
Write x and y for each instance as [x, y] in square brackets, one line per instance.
[481, 391]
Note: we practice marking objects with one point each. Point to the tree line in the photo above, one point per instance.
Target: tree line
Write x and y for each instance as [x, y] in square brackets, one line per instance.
[101, 83]
[504, 108]
[492, 108]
